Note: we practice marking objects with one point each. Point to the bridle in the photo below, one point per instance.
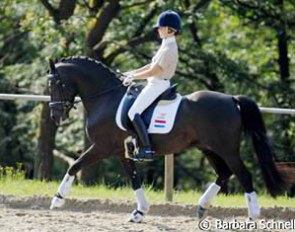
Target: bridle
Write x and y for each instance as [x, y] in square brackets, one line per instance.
[63, 103]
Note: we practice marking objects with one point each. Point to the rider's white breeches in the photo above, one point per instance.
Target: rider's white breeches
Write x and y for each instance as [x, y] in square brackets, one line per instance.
[154, 88]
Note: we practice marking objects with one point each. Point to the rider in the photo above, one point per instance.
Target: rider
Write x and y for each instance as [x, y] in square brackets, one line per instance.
[158, 74]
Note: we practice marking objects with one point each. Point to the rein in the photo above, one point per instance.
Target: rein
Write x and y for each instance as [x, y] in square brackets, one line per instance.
[120, 77]
[100, 94]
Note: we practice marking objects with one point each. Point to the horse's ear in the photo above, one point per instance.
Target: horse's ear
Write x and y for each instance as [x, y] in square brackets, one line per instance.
[52, 65]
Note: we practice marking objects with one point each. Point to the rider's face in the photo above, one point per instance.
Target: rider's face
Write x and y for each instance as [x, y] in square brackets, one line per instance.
[163, 32]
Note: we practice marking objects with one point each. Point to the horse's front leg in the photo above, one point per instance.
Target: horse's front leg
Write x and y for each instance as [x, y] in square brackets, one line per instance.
[87, 158]
[142, 204]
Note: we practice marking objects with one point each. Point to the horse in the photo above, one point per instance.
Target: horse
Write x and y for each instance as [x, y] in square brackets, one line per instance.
[210, 121]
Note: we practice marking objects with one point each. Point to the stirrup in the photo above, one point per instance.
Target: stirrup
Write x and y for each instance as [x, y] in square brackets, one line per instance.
[144, 154]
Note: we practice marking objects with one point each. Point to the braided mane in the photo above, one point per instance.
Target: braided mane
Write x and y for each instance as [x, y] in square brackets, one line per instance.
[79, 59]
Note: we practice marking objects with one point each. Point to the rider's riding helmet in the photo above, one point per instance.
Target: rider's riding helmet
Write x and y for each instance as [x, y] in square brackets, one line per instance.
[170, 19]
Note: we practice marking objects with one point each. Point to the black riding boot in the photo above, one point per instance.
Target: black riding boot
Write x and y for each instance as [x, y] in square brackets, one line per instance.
[145, 152]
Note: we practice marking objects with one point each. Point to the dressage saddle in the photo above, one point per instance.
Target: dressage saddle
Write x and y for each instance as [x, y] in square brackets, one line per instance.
[132, 93]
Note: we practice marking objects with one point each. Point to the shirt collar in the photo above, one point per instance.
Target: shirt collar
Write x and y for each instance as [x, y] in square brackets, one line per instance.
[168, 40]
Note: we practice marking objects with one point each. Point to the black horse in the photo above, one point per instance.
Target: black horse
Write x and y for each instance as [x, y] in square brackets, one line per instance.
[210, 121]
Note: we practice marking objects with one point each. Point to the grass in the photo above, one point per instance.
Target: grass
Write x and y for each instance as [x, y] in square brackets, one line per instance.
[34, 187]
[12, 181]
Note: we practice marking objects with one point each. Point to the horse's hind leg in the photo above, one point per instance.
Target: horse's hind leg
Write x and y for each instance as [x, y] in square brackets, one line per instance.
[88, 157]
[223, 174]
[142, 203]
[244, 176]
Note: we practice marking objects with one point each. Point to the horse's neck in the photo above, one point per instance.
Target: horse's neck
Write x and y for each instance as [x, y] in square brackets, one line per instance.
[98, 87]
[92, 87]
[107, 102]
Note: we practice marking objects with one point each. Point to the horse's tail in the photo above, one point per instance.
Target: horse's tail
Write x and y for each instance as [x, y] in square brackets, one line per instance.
[253, 124]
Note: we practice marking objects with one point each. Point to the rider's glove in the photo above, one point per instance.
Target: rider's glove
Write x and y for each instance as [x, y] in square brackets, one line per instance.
[128, 80]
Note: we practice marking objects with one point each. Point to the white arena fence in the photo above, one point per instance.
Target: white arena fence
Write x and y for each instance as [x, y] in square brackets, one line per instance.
[169, 159]
[28, 97]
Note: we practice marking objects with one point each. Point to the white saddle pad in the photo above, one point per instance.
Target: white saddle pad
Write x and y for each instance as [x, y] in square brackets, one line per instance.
[163, 117]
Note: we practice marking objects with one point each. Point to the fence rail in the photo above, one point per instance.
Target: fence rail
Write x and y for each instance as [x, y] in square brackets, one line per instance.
[29, 97]
[26, 97]
[277, 110]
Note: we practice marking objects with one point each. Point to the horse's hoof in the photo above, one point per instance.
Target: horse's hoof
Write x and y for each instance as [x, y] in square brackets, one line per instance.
[136, 216]
[57, 202]
[201, 212]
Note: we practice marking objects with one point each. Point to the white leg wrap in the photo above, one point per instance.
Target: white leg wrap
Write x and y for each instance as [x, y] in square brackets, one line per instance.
[208, 196]
[63, 190]
[142, 204]
[252, 203]
[65, 186]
